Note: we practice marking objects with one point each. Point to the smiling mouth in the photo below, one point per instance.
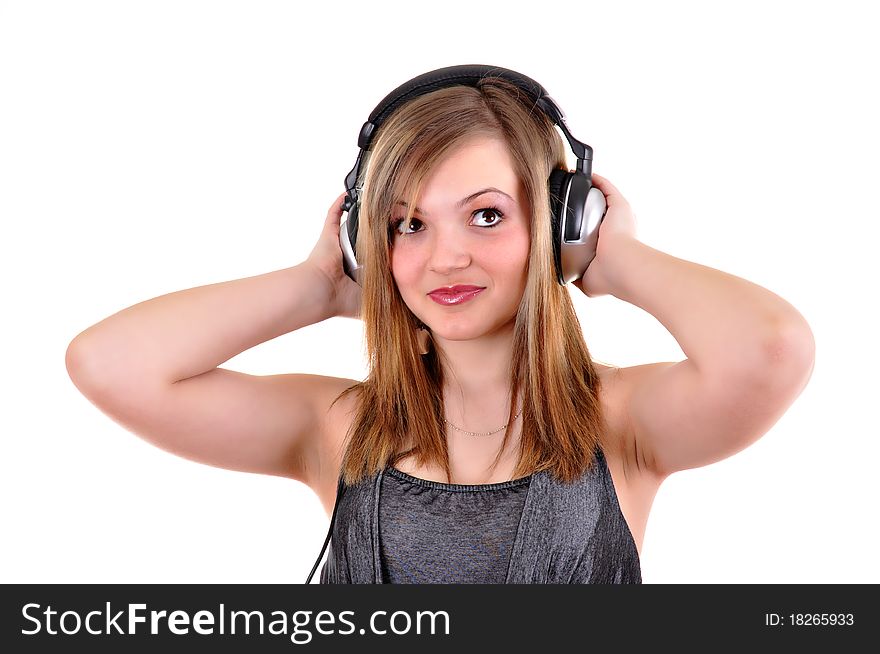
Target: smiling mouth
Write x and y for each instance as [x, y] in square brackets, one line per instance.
[450, 299]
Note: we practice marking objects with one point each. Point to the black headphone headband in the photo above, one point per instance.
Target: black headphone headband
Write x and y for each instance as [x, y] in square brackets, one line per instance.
[464, 75]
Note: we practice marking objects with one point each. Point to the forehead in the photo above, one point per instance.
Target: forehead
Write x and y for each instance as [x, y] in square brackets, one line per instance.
[479, 164]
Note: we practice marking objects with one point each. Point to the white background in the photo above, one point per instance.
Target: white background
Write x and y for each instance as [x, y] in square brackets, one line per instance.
[148, 147]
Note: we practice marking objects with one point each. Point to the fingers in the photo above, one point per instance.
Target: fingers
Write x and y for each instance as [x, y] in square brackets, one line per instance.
[603, 184]
[337, 204]
[607, 188]
[334, 215]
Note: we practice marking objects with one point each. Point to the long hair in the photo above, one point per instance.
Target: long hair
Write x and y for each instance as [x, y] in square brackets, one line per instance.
[400, 404]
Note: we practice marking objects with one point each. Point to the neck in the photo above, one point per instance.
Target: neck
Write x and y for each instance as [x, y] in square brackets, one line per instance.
[476, 372]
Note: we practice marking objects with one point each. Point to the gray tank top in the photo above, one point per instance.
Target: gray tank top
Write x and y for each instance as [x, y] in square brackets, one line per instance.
[395, 528]
[436, 533]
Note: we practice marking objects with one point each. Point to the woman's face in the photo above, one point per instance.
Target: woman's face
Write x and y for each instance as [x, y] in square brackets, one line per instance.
[455, 237]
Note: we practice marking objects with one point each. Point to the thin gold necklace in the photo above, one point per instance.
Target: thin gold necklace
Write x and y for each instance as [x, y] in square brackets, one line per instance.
[488, 433]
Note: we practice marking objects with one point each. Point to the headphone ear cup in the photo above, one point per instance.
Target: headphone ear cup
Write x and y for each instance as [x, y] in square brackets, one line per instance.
[558, 185]
[348, 230]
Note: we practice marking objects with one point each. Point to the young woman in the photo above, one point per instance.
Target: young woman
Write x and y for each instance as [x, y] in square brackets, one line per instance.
[485, 445]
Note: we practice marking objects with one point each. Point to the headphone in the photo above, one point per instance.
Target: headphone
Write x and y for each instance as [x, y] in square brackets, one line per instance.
[576, 206]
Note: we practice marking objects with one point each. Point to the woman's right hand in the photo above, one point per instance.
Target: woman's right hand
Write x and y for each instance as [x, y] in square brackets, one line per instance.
[326, 256]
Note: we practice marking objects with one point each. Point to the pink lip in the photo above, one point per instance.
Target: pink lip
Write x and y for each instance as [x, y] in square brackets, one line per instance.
[449, 299]
[457, 288]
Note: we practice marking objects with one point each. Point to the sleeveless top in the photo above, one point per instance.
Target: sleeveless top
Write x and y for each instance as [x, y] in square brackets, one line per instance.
[436, 533]
[396, 528]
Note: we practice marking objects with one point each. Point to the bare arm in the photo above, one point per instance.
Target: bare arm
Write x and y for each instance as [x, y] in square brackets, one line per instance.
[749, 352]
[153, 368]
[185, 333]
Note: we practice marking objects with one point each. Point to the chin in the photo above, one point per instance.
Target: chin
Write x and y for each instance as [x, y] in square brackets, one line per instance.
[459, 332]
[465, 330]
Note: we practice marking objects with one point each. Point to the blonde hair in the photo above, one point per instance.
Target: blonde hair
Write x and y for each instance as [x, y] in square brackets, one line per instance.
[400, 404]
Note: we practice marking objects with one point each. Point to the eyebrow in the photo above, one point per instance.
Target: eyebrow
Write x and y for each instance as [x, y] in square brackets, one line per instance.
[461, 203]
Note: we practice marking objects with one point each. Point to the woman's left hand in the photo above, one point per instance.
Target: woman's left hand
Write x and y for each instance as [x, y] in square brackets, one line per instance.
[618, 225]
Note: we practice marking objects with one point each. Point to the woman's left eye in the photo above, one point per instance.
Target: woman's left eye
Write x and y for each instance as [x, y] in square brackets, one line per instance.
[495, 216]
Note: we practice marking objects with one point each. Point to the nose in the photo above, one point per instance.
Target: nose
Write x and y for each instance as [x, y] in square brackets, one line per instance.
[448, 252]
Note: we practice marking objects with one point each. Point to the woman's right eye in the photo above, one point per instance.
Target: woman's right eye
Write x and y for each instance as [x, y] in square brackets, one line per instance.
[401, 221]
